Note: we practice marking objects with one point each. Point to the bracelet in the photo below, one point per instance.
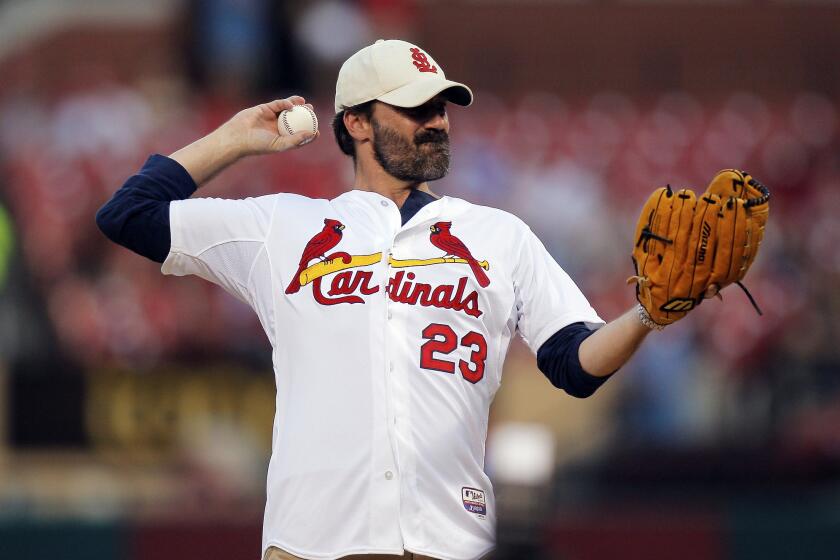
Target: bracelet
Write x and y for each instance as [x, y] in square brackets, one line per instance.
[644, 318]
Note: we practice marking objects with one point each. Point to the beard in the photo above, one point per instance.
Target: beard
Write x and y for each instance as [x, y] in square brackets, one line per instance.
[426, 158]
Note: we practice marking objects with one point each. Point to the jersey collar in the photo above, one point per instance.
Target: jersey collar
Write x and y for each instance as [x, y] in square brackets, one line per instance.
[423, 207]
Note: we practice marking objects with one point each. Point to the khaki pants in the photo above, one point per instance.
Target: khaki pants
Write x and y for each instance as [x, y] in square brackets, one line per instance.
[274, 553]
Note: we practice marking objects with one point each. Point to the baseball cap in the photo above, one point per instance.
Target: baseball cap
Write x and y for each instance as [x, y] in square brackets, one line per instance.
[395, 72]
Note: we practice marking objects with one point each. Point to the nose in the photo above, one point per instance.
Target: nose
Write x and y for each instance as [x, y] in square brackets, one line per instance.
[438, 121]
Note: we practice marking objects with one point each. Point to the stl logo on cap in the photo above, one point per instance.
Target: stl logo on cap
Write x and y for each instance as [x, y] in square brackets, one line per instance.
[422, 62]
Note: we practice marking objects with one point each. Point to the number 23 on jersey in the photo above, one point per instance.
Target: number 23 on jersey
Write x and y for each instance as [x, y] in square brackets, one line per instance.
[443, 341]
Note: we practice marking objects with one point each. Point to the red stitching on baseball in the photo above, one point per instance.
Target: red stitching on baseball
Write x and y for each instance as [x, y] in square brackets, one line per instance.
[311, 114]
[286, 123]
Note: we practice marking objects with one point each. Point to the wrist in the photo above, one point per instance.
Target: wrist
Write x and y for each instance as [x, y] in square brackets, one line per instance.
[227, 144]
[207, 156]
[645, 320]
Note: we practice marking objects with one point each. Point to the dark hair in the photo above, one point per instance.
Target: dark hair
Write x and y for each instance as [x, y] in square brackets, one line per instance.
[342, 136]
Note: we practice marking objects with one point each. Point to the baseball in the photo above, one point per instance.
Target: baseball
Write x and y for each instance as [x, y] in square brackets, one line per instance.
[300, 118]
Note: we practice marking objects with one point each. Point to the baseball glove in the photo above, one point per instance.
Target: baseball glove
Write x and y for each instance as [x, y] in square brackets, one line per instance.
[688, 248]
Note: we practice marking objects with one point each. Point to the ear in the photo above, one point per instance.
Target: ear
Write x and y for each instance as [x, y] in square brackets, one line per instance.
[358, 126]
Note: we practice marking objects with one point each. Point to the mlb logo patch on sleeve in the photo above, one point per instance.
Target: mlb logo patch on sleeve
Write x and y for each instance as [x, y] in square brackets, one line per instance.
[474, 501]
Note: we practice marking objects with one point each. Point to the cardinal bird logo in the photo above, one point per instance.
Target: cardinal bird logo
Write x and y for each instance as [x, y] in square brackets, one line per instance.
[443, 239]
[318, 247]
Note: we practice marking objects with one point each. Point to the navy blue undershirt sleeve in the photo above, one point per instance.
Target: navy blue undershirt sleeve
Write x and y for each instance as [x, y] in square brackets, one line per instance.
[137, 216]
[416, 200]
[558, 359]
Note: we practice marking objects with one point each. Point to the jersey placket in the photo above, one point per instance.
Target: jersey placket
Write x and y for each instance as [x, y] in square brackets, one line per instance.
[386, 476]
[406, 357]
[406, 361]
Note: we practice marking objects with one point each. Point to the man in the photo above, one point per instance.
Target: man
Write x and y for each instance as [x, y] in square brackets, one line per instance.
[389, 310]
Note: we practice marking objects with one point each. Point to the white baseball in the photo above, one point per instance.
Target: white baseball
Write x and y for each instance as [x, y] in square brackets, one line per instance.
[299, 118]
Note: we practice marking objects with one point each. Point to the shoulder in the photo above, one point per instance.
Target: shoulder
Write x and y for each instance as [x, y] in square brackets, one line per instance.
[252, 216]
[493, 216]
[265, 204]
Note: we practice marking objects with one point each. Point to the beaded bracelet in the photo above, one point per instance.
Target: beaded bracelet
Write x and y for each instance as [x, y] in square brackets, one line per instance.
[645, 319]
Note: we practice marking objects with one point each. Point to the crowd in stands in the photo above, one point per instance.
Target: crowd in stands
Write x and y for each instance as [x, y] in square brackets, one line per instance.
[576, 170]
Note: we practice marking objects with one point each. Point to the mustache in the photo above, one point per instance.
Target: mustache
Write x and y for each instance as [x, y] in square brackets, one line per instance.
[431, 136]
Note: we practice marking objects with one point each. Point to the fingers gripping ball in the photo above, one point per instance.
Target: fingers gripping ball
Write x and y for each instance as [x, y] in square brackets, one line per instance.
[300, 118]
[689, 247]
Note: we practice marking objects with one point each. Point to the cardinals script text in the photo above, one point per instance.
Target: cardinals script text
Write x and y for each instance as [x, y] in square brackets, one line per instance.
[348, 286]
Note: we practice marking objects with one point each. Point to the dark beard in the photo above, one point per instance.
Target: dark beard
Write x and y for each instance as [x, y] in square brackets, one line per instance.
[425, 159]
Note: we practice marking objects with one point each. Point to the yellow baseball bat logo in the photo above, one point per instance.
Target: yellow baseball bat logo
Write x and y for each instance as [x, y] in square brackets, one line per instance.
[338, 264]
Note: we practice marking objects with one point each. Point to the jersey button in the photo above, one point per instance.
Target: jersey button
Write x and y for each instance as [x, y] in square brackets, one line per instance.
[383, 202]
[389, 475]
[390, 315]
[391, 366]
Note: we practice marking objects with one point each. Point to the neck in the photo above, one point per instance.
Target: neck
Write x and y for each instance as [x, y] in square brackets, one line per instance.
[371, 177]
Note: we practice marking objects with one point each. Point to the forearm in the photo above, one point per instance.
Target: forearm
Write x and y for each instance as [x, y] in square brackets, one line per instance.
[611, 346]
[208, 156]
[252, 131]
[137, 216]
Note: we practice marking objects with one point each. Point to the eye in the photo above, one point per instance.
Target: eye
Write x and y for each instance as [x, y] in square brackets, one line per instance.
[425, 112]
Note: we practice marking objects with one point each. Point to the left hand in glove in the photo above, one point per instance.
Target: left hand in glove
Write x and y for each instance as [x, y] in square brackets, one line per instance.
[688, 248]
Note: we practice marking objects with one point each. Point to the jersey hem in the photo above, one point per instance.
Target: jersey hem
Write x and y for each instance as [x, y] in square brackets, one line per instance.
[441, 556]
[331, 555]
[394, 551]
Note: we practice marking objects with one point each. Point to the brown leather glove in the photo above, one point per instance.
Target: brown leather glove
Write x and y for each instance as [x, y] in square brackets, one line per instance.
[688, 248]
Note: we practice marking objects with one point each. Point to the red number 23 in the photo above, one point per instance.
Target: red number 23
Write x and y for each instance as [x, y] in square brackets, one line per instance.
[441, 338]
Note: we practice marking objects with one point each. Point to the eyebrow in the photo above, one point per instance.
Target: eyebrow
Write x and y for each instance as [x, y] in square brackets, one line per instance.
[425, 107]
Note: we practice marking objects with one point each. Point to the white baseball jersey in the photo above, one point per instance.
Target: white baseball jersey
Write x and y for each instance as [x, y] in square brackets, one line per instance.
[388, 344]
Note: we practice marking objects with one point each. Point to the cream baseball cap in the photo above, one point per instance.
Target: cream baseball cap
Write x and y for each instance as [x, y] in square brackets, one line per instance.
[397, 73]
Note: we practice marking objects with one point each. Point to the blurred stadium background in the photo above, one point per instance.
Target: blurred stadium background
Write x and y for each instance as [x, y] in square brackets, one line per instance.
[136, 409]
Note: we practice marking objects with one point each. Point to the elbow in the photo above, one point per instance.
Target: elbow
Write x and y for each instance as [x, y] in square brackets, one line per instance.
[578, 392]
[582, 385]
[569, 376]
[561, 375]
[560, 378]
[559, 360]
[107, 223]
